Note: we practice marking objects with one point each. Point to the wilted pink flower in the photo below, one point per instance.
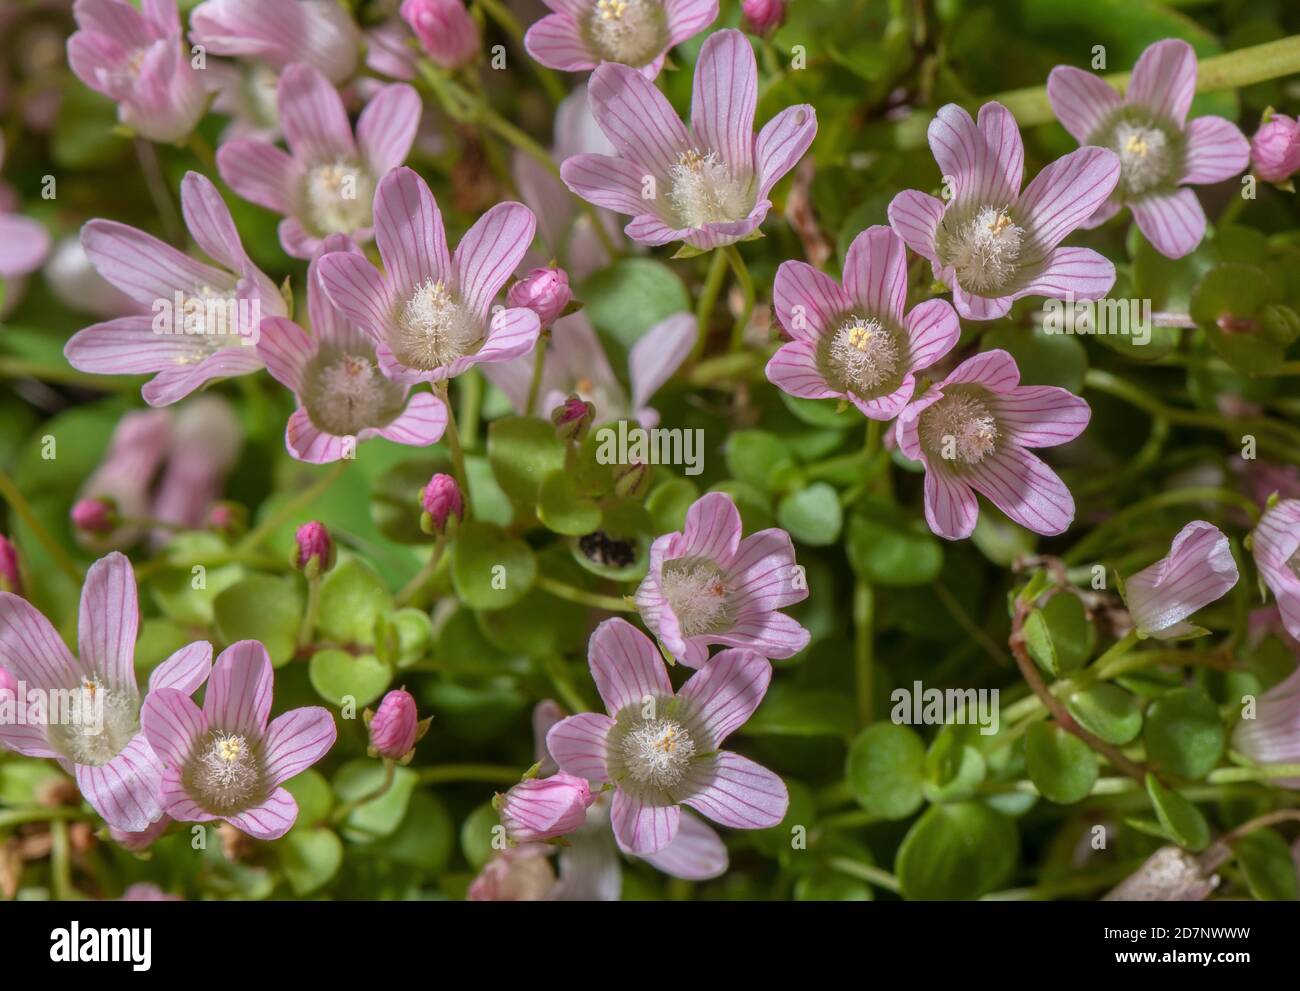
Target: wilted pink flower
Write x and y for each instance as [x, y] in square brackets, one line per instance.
[763, 16]
[660, 749]
[115, 767]
[972, 433]
[576, 364]
[516, 874]
[277, 33]
[1198, 569]
[137, 57]
[441, 502]
[314, 553]
[343, 397]
[1158, 149]
[707, 585]
[430, 313]
[990, 243]
[707, 186]
[395, 726]
[581, 34]
[204, 321]
[225, 761]
[545, 291]
[1168, 875]
[541, 809]
[140, 841]
[327, 184]
[1275, 148]
[445, 29]
[1275, 544]
[24, 243]
[855, 342]
[11, 575]
[1272, 735]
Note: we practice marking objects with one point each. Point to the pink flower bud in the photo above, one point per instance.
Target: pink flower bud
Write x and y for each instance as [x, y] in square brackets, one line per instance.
[228, 518]
[94, 515]
[396, 726]
[545, 291]
[445, 29]
[315, 553]
[1275, 149]
[516, 874]
[543, 808]
[763, 16]
[11, 579]
[572, 418]
[442, 504]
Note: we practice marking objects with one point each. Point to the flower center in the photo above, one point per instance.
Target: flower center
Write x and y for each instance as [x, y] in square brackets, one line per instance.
[1144, 156]
[704, 192]
[349, 394]
[864, 355]
[984, 251]
[657, 752]
[226, 775]
[434, 329]
[337, 197]
[211, 320]
[629, 31]
[91, 724]
[960, 427]
[696, 589]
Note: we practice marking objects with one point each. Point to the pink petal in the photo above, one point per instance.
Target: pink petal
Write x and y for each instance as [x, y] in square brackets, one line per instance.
[964, 156]
[1042, 415]
[185, 670]
[271, 819]
[296, 240]
[696, 853]
[612, 183]
[1198, 569]
[1066, 193]
[1174, 223]
[808, 302]
[173, 725]
[875, 273]
[763, 572]
[307, 442]
[125, 791]
[1164, 79]
[771, 634]
[143, 267]
[971, 306]
[1275, 541]
[238, 699]
[286, 350]
[171, 385]
[916, 216]
[712, 529]
[726, 691]
[794, 369]
[638, 119]
[1078, 272]
[932, 331]
[409, 232]
[297, 740]
[1024, 488]
[734, 791]
[177, 803]
[125, 346]
[556, 42]
[723, 100]
[386, 128]
[626, 666]
[578, 745]
[422, 422]
[951, 509]
[490, 251]
[641, 828]
[210, 224]
[1103, 213]
[1216, 150]
[1006, 151]
[31, 650]
[660, 352]
[355, 288]
[687, 18]
[888, 406]
[312, 116]
[781, 143]
[996, 370]
[259, 172]
[24, 245]
[1081, 101]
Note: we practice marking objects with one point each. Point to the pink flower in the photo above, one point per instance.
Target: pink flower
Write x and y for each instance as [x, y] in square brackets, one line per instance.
[395, 727]
[137, 58]
[11, 574]
[1159, 150]
[1276, 547]
[314, 553]
[763, 16]
[1198, 569]
[991, 243]
[203, 321]
[445, 29]
[707, 186]
[206, 441]
[441, 502]
[343, 397]
[24, 243]
[115, 767]
[576, 364]
[581, 34]
[541, 809]
[430, 313]
[120, 486]
[75, 283]
[972, 433]
[545, 291]
[326, 185]
[280, 32]
[706, 585]
[660, 749]
[1272, 736]
[225, 761]
[516, 874]
[1275, 148]
[855, 342]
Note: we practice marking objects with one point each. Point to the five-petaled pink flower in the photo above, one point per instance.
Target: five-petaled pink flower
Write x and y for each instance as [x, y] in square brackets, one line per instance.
[430, 313]
[1197, 570]
[229, 759]
[855, 342]
[1276, 547]
[1158, 148]
[137, 57]
[97, 737]
[277, 33]
[707, 585]
[581, 34]
[343, 398]
[660, 749]
[327, 184]
[202, 322]
[990, 242]
[707, 186]
[972, 433]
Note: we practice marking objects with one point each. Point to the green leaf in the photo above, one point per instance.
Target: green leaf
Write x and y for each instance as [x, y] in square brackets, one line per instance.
[352, 598]
[888, 548]
[491, 569]
[1184, 734]
[310, 857]
[668, 503]
[954, 769]
[1265, 858]
[1043, 358]
[403, 637]
[425, 838]
[813, 516]
[791, 711]
[826, 885]
[1058, 636]
[174, 589]
[886, 770]
[261, 607]
[377, 817]
[1062, 767]
[522, 451]
[1108, 712]
[337, 676]
[956, 852]
[476, 834]
[826, 413]
[756, 457]
[312, 793]
[626, 299]
[1178, 817]
[563, 509]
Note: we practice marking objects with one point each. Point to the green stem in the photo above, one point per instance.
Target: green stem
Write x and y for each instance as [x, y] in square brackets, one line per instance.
[202, 151]
[291, 508]
[20, 817]
[864, 605]
[471, 402]
[14, 368]
[581, 596]
[412, 588]
[865, 872]
[564, 687]
[973, 629]
[11, 494]
[307, 628]
[747, 290]
[61, 862]
[535, 383]
[488, 773]
[1108, 664]
[452, 436]
[1267, 772]
[708, 300]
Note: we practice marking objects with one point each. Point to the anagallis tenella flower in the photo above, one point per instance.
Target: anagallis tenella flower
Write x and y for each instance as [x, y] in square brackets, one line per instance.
[1197, 570]
[581, 34]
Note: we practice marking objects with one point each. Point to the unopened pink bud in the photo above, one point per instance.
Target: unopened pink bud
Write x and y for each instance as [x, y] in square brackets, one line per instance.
[543, 808]
[763, 16]
[1275, 149]
[94, 515]
[11, 579]
[396, 726]
[442, 504]
[572, 418]
[545, 291]
[445, 29]
[315, 552]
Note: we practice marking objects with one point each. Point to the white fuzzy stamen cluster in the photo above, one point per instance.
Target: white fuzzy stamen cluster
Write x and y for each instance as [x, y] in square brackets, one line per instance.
[434, 329]
[1144, 156]
[94, 723]
[698, 594]
[960, 427]
[226, 774]
[348, 395]
[209, 318]
[629, 31]
[703, 191]
[657, 752]
[864, 355]
[337, 197]
[984, 251]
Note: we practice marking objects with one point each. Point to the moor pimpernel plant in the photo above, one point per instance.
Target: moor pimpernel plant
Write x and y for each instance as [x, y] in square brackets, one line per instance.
[819, 450]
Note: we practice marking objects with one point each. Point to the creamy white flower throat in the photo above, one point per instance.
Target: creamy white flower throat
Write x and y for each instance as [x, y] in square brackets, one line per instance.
[225, 773]
[960, 428]
[337, 197]
[435, 328]
[703, 191]
[865, 356]
[984, 249]
[698, 592]
[633, 32]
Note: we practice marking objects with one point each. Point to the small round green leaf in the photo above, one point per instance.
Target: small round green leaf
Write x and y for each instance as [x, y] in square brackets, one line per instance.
[956, 852]
[337, 676]
[1184, 734]
[1108, 712]
[1062, 767]
[261, 607]
[886, 770]
[563, 509]
[1178, 817]
[813, 516]
[490, 568]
